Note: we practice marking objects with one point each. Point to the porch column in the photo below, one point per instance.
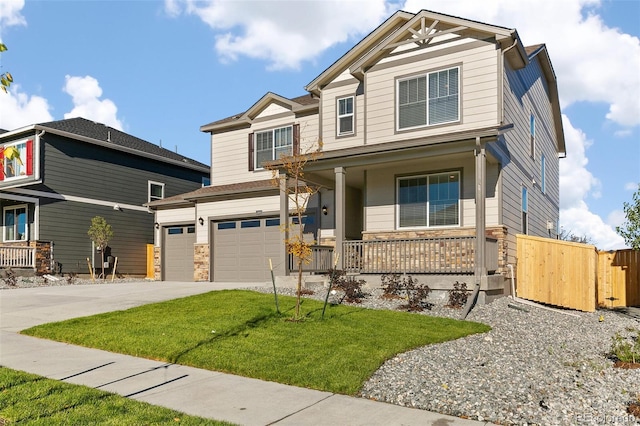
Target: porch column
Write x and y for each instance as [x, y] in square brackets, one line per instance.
[284, 219]
[341, 199]
[480, 269]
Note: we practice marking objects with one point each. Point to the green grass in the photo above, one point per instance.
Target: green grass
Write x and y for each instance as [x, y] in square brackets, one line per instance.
[239, 332]
[28, 399]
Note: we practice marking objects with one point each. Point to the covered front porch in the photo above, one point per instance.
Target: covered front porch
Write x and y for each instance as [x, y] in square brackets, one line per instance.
[370, 215]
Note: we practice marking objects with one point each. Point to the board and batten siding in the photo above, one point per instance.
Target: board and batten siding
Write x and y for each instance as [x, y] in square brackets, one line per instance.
[478, 92]
[380, 208]
[525, 92]
[230, 153]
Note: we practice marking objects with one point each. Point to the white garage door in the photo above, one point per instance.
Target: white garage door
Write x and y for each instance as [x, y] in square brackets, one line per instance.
[178, 252]
[242, 249]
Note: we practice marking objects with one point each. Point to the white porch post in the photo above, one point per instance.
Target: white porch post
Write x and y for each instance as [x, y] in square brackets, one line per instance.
[284, 219]
[341, 199]
[480, 269]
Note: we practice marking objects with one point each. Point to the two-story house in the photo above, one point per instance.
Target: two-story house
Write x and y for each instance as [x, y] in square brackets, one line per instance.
[441, 140]
[57, 176]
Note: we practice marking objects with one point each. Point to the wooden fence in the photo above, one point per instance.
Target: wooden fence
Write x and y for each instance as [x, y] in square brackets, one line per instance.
[576, 276]
[619, 278]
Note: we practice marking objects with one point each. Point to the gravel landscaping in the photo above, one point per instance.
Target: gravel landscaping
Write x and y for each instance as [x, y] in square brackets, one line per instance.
[536, 366]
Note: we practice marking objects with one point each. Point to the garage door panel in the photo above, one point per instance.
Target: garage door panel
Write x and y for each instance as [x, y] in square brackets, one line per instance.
[178, 255]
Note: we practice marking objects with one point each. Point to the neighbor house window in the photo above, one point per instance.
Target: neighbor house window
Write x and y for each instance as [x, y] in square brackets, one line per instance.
[15, 223]
[156, 191]
[15, 160]
[345, 116]
[525, 210]
[429, 200]
[543, 172]
[532, 135]
[273, 144]
[429, 99]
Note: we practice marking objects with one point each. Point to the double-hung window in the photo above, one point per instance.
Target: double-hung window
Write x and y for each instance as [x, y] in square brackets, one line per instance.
[525, 211]
[16, 164]
[273, 144]
[156, 191]
[345, 116]
[428, 99]
[532, 135]
[15, 223]
[428, 200]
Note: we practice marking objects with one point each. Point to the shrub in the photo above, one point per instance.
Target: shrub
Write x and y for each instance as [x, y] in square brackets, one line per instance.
[392, 286]
[458, 295]
[71, 277]
[626, 349]
[10, 278]
[352, 289]
[416, 295]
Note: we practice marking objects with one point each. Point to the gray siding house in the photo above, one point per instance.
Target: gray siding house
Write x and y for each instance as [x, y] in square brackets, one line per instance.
[441, 140]
[72, 170]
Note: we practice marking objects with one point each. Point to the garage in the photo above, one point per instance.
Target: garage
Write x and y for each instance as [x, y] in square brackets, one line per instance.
[178, 252]
[242, 249]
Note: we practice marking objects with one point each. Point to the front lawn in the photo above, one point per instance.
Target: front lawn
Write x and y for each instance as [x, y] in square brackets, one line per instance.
[28, 399]
[239, 332]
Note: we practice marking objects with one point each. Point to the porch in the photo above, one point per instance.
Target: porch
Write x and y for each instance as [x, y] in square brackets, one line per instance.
[33, 257]
[443, 255]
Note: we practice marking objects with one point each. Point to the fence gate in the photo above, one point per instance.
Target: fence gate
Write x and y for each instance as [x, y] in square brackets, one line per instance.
[619, 278]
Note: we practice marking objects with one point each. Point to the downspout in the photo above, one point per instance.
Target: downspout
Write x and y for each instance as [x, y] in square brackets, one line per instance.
[515, 42]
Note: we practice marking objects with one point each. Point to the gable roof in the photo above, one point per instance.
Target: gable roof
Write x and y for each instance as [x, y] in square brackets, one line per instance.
[100, 134]
[300, 104]
[403, 28]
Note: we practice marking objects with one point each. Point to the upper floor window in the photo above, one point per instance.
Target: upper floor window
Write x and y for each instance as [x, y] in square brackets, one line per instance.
[271, 145]
[428, 200]
[156, 191]
[345, 116]
[15, 223]
[532, 135]
[16, 159]
[429, 99]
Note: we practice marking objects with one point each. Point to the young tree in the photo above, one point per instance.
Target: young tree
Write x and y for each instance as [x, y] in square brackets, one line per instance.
[630, 229]
[100, 233]
[299, 192]
[565, 235]
[5, 78]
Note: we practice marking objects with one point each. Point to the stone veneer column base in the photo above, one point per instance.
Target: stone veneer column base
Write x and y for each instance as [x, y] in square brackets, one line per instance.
[157, 264]
[201, 257]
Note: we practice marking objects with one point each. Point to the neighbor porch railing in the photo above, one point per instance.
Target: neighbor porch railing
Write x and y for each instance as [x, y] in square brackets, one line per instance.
[417, 256]
[321, 260]
[17, 257]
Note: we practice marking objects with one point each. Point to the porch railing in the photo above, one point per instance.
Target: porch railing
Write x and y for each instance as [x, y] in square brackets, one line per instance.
[321, 260]
[417, 256]
[17, 257]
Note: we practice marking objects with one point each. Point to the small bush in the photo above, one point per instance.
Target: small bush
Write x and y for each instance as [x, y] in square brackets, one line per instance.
[392, 286]
[458, 295]
[626, 349]
[416, 295]
[352, 289]
[10, 278]
[71, 277]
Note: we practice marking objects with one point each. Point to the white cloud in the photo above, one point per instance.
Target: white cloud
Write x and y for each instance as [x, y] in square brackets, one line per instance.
[616, 218]
[85, 93]
[283, 33]
[10, 13]
[593, 62]
[19, 109]
[581, 222]
[631, 186]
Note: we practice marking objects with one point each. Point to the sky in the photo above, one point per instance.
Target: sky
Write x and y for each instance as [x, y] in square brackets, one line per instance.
[161, 69]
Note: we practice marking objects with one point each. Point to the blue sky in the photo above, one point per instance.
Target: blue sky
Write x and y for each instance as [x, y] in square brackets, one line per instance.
[161, 69]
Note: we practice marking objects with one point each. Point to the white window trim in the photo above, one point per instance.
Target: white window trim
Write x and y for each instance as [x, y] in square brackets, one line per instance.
[24, 161]
[256, 164]
[149, 190]
[4, 226]
[397, 209]
[426, 75]
[352, 115]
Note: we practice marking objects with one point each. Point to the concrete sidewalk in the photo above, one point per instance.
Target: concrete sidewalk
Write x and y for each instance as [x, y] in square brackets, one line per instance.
[191, 390]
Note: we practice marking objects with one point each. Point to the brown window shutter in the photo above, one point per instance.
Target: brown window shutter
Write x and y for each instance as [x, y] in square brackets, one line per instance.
[1, 163]
[251, 165]
[29, 157]
[296, 139]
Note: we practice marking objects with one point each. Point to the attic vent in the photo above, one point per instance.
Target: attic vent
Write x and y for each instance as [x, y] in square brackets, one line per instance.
[185, 160]
[109, 136]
